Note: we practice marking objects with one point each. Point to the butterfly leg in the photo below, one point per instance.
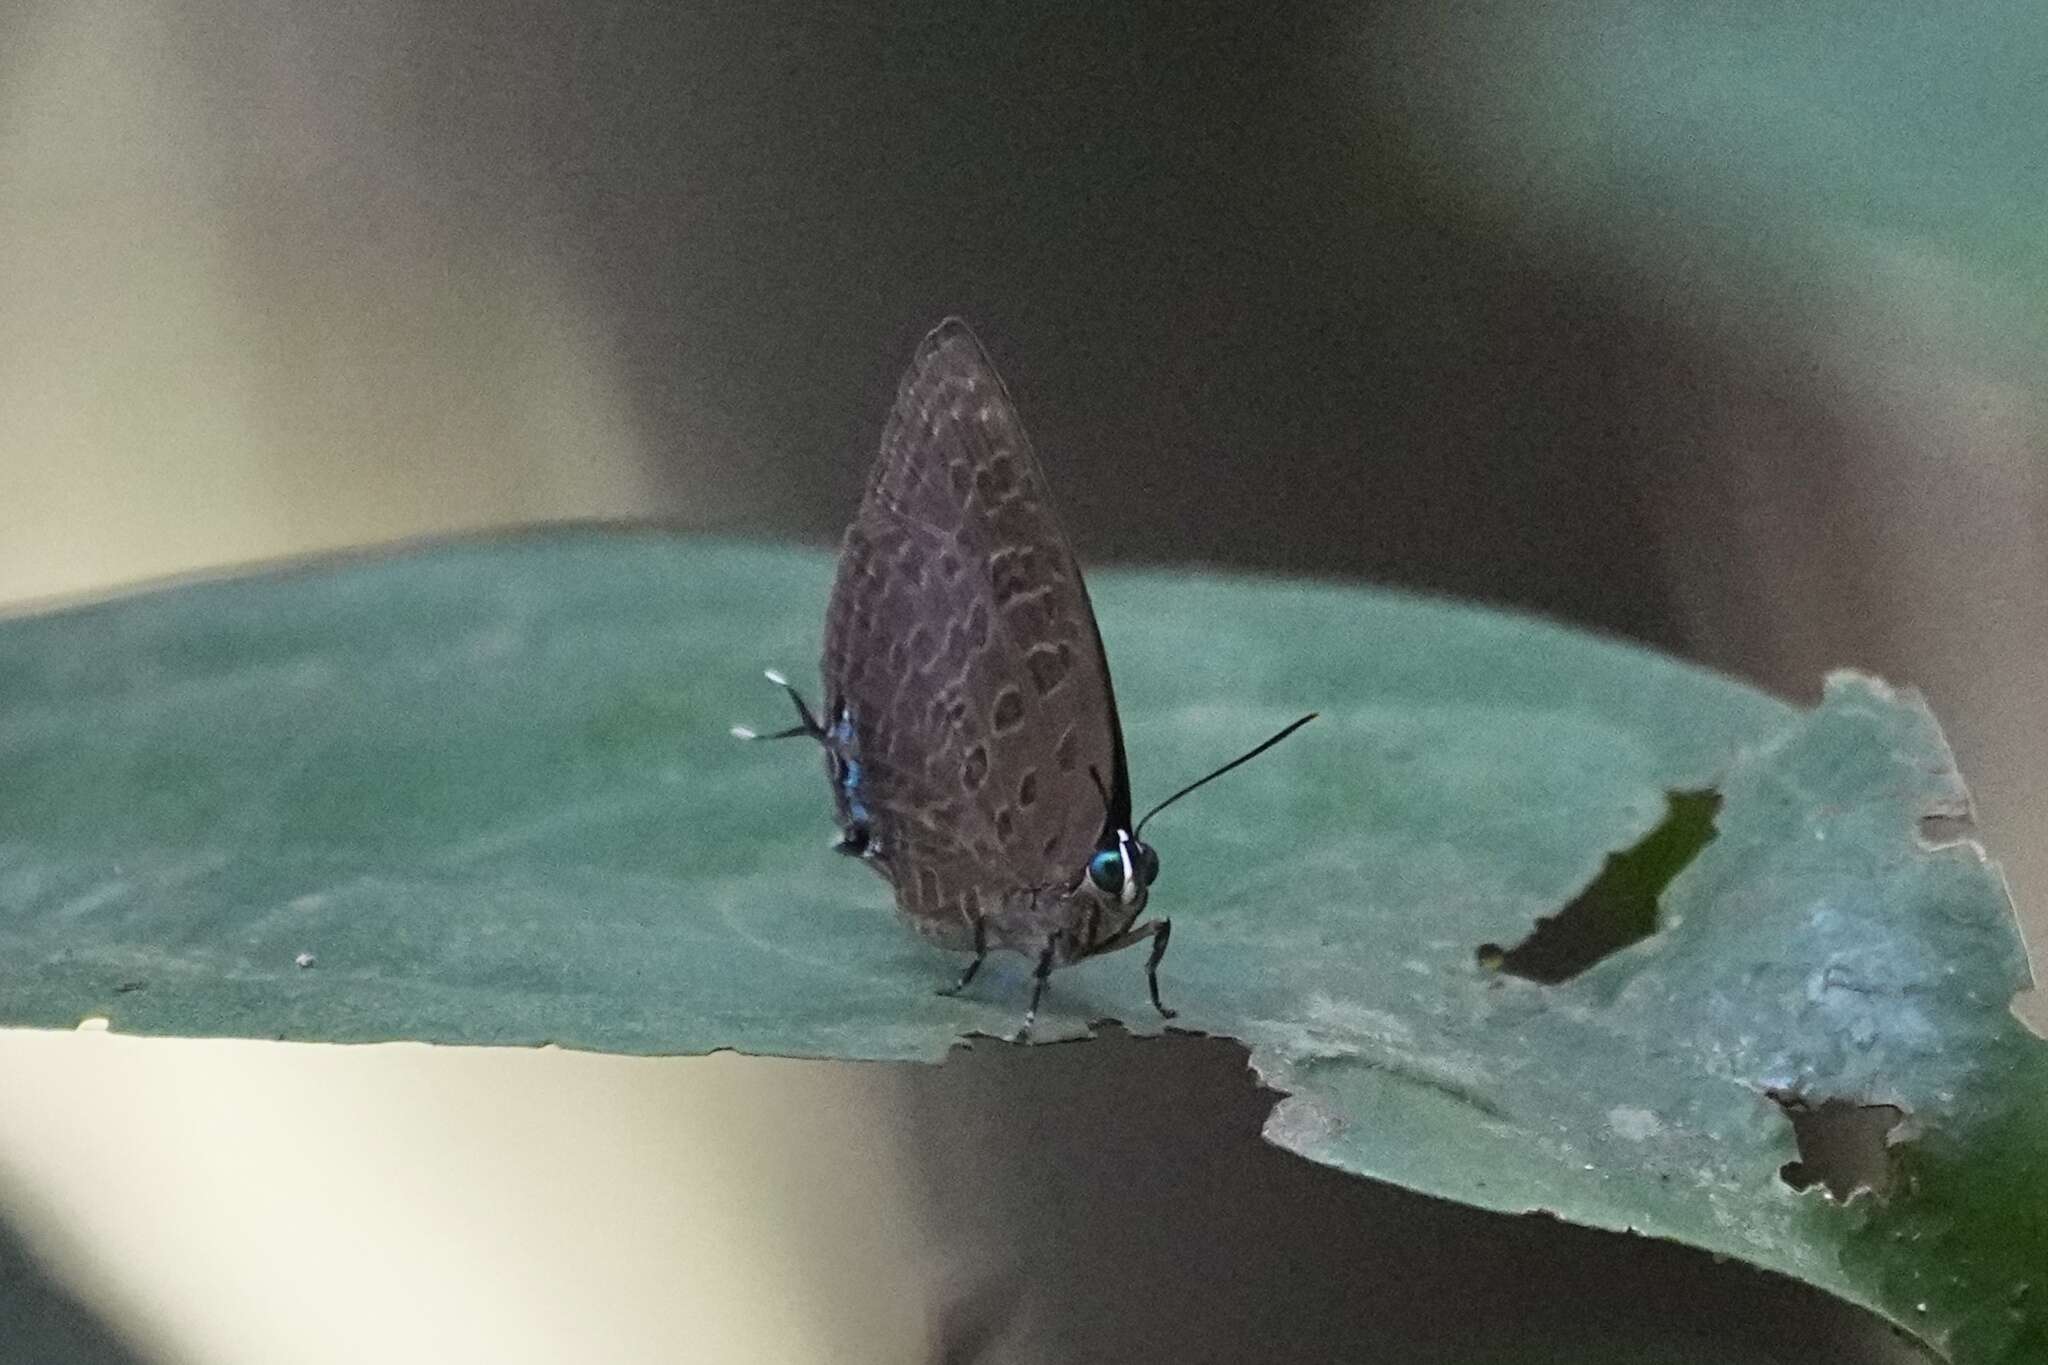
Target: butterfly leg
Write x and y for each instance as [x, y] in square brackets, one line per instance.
[1160, 931]
[1039, 976]
[980, 956]
[807, 724]
[1159, 942]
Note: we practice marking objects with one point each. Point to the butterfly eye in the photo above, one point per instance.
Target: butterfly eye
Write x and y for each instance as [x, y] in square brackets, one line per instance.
[1148, 864]
[1106, 870]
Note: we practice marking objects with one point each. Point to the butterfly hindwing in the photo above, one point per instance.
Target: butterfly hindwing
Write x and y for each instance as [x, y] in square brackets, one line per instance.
[963, 659]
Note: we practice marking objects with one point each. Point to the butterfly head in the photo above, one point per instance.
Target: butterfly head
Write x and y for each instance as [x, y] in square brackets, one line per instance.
[1124, 871]
[1110, 896]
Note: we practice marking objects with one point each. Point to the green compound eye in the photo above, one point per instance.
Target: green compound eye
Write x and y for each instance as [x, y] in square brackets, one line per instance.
[1148, 864]
[1106, 870]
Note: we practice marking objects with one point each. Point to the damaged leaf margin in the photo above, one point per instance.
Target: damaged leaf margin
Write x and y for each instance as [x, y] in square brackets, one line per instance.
[1818, 955]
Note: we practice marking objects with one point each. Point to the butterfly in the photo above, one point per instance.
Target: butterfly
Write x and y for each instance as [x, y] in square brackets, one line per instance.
[969, 725]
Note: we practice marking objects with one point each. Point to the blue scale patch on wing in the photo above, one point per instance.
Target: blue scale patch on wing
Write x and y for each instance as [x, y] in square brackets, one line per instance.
[846, 768]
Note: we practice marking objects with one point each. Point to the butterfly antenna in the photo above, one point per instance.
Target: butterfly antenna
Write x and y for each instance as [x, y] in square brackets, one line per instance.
[1241, 759]
[807, 724]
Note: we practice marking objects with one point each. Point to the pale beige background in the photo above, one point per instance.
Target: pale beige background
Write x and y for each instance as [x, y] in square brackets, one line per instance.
[194, 371]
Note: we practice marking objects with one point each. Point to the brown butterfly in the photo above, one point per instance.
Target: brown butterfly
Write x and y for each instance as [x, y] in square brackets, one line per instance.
[970, 728]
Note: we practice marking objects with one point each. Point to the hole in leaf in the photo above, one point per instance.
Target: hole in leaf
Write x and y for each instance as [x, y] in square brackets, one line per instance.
[1842, 1145]
[1946, 827]
[1618, 907]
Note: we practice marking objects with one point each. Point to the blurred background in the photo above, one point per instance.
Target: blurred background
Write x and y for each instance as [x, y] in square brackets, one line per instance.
[1716, 326]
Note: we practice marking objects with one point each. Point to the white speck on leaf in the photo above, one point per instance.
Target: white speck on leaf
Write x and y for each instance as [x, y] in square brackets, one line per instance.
[1635, 1125]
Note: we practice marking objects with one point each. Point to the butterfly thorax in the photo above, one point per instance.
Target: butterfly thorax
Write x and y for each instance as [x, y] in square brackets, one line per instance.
[943, 886]
[1076, 920]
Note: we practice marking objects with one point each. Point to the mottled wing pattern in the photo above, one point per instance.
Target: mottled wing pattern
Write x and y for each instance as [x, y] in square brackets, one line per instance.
[961, 651]
[886, 640]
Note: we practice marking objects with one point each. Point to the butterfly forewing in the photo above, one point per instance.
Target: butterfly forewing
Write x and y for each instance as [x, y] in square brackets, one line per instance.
[962, 658]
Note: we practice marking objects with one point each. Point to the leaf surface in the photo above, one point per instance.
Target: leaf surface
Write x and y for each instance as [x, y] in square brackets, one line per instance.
[485, 794]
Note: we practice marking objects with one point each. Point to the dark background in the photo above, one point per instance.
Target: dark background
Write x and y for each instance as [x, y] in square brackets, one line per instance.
[1237, 291]
[1713, 326]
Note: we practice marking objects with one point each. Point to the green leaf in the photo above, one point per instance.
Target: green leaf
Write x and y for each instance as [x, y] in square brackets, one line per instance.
[486, 792]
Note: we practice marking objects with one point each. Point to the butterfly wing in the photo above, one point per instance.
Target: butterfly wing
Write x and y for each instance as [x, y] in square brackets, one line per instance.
[964, 672]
